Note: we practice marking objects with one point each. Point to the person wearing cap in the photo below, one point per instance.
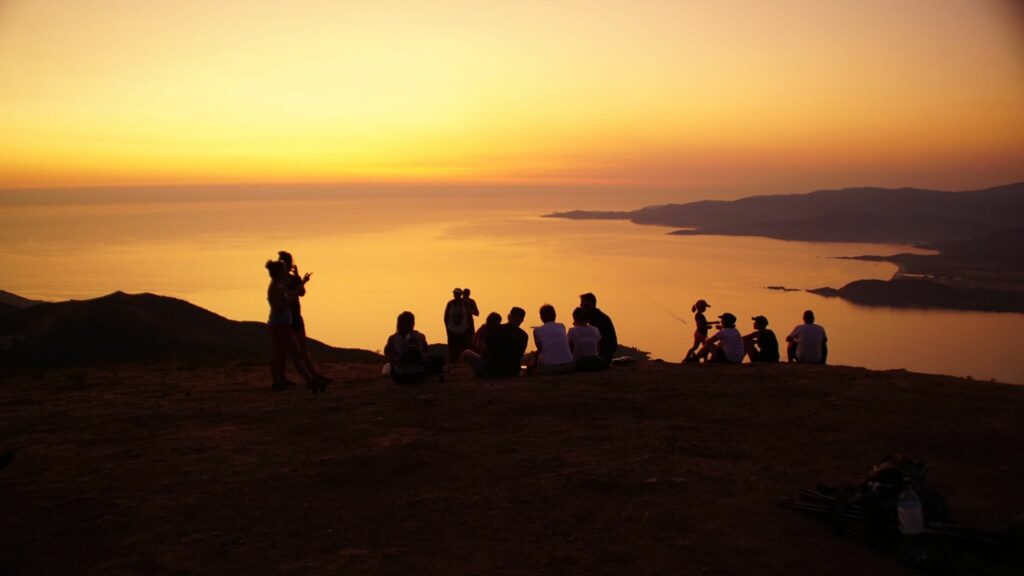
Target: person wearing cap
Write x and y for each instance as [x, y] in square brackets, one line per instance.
[700, 335]
[761, 344]
[808, 343]
[456, 324]
[726, 345]
[609, 344]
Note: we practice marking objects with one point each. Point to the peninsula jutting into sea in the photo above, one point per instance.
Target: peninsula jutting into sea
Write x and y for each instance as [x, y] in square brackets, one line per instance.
[976, 235]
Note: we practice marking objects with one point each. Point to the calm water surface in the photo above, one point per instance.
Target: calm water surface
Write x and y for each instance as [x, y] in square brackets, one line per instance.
[374, 255]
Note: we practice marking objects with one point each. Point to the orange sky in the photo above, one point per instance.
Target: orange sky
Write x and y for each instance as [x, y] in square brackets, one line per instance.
[791, 93]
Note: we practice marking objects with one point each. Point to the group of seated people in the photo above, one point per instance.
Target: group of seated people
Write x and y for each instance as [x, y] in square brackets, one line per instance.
[497, 349]
[806, 344]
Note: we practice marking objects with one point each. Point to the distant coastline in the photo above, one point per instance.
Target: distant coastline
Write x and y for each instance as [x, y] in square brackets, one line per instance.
[979, 263]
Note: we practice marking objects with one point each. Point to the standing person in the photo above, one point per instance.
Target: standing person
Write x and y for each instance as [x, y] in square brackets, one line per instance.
[504, 349]
[296, 284]
[456, 324]
[282, 337]
[598, 319]
[553, 354]
[585, 343]
[471, 308]
[726, 345]
[808, 343]
[700, 335]
[761, 344]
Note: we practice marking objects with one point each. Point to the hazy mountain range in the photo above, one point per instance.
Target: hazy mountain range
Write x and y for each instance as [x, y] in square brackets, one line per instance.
[123, 327]
[883, 215]
[978, 236]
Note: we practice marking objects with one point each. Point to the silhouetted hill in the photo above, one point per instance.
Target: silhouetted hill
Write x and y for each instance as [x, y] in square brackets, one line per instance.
[123, 327]
[1001, 248]
[15, 300]
[984, 273]
[903, 215]
[922, 293]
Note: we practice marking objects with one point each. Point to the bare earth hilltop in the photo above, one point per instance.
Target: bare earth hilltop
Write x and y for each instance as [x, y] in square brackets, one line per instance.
[647, 469]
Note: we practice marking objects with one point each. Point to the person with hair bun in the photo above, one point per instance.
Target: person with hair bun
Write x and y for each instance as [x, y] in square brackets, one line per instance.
[282, 337]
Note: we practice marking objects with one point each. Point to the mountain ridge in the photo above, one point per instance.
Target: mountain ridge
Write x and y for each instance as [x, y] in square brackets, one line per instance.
[862, 214]
[120, 327]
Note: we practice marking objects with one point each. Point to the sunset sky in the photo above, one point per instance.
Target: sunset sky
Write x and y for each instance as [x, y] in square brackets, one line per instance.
[790, 93]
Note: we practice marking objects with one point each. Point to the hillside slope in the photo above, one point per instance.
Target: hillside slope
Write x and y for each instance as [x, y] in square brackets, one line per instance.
[123, 327]
[650, 469]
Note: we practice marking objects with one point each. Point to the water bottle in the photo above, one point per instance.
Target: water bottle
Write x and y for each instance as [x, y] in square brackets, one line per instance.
[911, 519]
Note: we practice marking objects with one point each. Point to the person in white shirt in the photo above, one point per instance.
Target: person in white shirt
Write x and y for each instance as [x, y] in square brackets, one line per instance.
[808, 343]
[553, 354]
[726, 345]
[585, 343]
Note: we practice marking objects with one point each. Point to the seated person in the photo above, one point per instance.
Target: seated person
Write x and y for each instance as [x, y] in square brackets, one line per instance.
[726, 345]
[553, 354]
[504, 347]
[808, 343]
[598, 319]
[480, 338]
[761, 344]
[585, 343]
[406, 351]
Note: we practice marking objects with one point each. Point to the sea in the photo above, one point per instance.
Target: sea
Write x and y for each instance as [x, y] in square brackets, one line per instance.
[375, 251]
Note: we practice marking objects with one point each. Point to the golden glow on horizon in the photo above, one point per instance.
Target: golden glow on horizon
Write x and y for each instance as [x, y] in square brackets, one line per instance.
[654, 92]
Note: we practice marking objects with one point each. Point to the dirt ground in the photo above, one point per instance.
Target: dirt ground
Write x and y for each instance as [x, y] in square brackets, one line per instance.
[648, 469]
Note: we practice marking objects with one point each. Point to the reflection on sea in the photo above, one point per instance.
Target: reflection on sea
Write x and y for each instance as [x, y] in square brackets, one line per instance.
[375, 256]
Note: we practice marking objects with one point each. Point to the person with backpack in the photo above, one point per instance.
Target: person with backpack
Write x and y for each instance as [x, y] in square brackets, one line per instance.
[406, 351]
[457, 325]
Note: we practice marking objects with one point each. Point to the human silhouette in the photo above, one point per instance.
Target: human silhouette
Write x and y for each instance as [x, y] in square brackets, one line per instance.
[282, 337]
[700, 334]
[808, 343]
[761, 344]
[296, 283]
[726, 345]
[407, 353]
[598, 319]
[553, 354]
[585, 343]
[457, 325]
[480, 338]
[472, 308]
[503, 350]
